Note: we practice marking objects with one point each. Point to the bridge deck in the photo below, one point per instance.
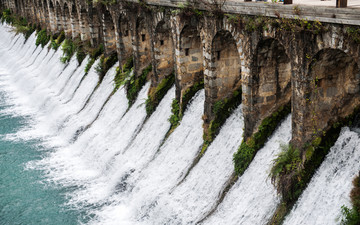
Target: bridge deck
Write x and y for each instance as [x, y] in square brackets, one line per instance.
[323, 11]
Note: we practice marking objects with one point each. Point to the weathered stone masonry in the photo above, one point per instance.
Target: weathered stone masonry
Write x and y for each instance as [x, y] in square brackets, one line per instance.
[318, 72]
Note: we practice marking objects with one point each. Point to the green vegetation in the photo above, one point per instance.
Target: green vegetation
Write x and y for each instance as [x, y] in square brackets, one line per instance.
[246, 152]
[158, 93]
[6, 16]
[221, 110]
[20, 24]
[253, 23]
[42, 38]
[80, 54]
[122, 74]
[134, 85]
[94, 54]
[105, 64]
[176, 116]
[69, 49]
[177, 110]
[354, 33]
[287, 163]
[56, 40]
[291, 181]
[105, 2]
[352, 216]
[187, 10]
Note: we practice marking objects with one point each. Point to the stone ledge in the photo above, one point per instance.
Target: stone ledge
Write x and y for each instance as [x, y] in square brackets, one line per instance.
[349, 16]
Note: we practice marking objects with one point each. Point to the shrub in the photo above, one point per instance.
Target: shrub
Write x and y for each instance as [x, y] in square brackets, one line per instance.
[105, 64]
[175, 117]
[155, 96]
[247, 150]
[122, 74]
[89, 65]
[7, 17]
[221, 110]
[134, 85]
[57, 39]
[94, 54]
[42, 38]
[177, 109]
[352, 216]
[287, 163]
[188, 94]
[20, 24]
[69, 49]
[80, 54]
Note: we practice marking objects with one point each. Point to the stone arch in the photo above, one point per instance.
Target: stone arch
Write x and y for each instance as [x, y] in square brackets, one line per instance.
[270, 82]
[334, 90]
[272, 74]
[226, 66]
[125, 37]
[189, 60]
[108, 31]
[224, 76]
[66, 20]
[163, 51]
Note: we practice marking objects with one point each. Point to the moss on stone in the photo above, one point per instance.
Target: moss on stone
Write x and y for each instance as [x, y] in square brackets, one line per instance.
[134, 85]
[175, 118]
[56, 40]
[222, 110]
[105, 64]
[42, 38]
[6, 16]
[177, 109]
[188, 94]
[20, 24]
[157, 95]
[123, 73]
[312, 155]
[247, 150]
[94, 54]
[261, 23]
[68, 47]
[352, 215]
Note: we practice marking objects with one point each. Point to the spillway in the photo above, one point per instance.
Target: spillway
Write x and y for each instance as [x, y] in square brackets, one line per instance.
[73, 152]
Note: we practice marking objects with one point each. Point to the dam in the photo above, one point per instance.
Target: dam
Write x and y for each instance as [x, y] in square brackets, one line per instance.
[174, 112]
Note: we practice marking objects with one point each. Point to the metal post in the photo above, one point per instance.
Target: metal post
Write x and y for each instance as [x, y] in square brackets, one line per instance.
[341, 3]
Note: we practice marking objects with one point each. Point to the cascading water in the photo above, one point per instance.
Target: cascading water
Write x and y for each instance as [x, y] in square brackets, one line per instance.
[253, 199]
[99, 162]
[330, 187]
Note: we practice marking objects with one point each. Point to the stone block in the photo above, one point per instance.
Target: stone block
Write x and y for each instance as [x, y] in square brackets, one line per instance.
[270, 98]
[194, 67]
[331, 91]
[194, 59]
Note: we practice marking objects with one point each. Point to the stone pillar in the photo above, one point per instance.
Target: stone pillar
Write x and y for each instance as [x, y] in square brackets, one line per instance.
[84, 25]
[74, 20]
[108, 32]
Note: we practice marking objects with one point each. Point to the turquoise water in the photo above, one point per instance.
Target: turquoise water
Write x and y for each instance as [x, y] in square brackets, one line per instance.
[25, 196]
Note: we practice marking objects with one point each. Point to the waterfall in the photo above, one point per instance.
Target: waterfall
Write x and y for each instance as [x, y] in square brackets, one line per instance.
[115, 165]
[330, 187]
[253, 199]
